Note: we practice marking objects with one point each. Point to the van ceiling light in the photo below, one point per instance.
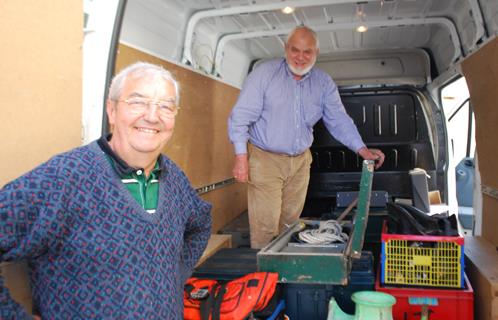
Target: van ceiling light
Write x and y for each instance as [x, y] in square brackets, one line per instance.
[360, 16]
[361, 28]
[288, 10]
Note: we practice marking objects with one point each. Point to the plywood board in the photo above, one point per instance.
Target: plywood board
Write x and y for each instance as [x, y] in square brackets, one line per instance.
[40, 82]
[16, 279]
[216, 242]
[40, 86]
[490, 219]
[482, 270]
[481, 73]
[228, 203]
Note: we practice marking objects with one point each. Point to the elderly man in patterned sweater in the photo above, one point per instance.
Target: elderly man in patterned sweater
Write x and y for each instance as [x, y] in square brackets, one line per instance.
[110, 230]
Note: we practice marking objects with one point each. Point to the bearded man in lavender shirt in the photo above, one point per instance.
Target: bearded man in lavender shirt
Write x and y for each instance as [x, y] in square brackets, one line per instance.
[271, 128]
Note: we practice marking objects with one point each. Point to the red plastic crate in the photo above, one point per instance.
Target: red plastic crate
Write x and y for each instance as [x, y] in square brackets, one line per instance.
[454, 304]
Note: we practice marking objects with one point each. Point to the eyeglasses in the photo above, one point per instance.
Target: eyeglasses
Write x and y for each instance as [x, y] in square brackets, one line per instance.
[166, 108]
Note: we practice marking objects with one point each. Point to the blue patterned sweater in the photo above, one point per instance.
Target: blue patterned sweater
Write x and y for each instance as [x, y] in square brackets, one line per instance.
[93, 251]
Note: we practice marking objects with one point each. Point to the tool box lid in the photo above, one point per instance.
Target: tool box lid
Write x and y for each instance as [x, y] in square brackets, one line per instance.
[319, 264]
[361, 217]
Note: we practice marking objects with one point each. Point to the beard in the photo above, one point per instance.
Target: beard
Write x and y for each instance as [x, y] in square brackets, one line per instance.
[301, 71]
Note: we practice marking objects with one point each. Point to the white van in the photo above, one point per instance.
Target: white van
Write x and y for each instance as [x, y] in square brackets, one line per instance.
[394, 62]
[418, 77]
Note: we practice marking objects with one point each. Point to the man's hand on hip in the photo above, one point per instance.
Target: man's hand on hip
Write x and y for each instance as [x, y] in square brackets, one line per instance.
[241, 168]
[372, 154]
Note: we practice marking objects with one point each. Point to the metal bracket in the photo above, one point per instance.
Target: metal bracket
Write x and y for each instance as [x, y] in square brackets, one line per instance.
[492, 192]
[214, 186]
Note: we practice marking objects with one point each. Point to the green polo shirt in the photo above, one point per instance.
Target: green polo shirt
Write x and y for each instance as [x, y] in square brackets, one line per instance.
[145, 190]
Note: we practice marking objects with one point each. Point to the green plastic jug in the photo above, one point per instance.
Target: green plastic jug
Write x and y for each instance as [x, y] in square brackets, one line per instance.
[370, 305]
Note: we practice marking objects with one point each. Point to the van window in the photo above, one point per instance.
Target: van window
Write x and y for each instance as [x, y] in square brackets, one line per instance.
[460, 121]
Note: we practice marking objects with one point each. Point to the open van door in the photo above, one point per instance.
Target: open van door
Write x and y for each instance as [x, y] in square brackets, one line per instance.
[460, 122]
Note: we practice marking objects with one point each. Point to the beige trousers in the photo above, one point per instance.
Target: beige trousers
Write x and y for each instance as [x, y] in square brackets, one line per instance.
[276, 192]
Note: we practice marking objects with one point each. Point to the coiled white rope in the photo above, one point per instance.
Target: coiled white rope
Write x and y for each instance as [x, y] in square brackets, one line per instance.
[328, 232]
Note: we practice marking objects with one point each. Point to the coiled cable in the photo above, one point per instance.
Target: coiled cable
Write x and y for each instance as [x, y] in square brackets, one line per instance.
[328, 232]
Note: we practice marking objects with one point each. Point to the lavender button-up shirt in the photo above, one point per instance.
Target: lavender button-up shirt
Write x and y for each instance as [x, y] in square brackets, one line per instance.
[277, 113]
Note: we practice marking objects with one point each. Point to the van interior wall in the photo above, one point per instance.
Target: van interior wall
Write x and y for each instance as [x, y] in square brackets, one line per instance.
[200, 144]
[481, 73]
[41, 89]
[170, 17]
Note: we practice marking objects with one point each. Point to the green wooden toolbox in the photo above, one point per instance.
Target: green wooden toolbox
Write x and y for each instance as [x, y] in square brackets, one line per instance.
[326, 264]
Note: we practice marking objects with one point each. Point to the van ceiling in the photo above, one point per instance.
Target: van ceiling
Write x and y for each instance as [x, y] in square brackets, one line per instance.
[215, 35]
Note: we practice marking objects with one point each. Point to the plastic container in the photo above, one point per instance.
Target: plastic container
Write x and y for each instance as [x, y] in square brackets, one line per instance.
[370, 305]
[228, 264]
[465, 173]
[420, 190]
[440, 304]
[373, 305]
[433, 261]
[310, 301]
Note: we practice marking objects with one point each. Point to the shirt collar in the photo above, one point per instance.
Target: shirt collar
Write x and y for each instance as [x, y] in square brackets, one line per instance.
[121, 167]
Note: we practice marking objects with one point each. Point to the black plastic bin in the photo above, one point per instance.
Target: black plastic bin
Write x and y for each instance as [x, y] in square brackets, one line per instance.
[310, 301]
[228, 264]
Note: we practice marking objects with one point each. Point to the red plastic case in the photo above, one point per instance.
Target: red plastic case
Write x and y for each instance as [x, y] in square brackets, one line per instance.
[454, 304]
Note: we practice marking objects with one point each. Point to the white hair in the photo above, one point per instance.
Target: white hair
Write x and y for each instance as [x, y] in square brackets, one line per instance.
[138, 70]
[305, 28]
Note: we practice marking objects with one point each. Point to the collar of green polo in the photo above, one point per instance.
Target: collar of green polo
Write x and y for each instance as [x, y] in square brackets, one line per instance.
[121, 167]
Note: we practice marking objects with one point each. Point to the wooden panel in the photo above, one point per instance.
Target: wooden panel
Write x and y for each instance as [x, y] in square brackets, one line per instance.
[216, 242]
[200, 144]
[40, 86]
[40, 83]
[228, 203]
[16, 279]
[481, 73]
[482, 270]
[489, 218]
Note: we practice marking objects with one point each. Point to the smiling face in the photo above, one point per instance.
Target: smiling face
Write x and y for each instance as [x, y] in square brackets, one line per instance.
[136, 137]
[301, 52]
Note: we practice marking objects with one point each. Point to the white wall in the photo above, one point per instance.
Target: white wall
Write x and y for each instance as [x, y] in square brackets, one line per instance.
[157, 26]
[235, 65]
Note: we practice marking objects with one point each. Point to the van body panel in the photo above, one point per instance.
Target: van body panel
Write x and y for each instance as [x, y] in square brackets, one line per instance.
[377, 67]
[213, 36]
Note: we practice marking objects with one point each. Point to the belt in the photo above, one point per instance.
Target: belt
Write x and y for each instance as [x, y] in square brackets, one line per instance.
[287, 155]
[279, 154]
